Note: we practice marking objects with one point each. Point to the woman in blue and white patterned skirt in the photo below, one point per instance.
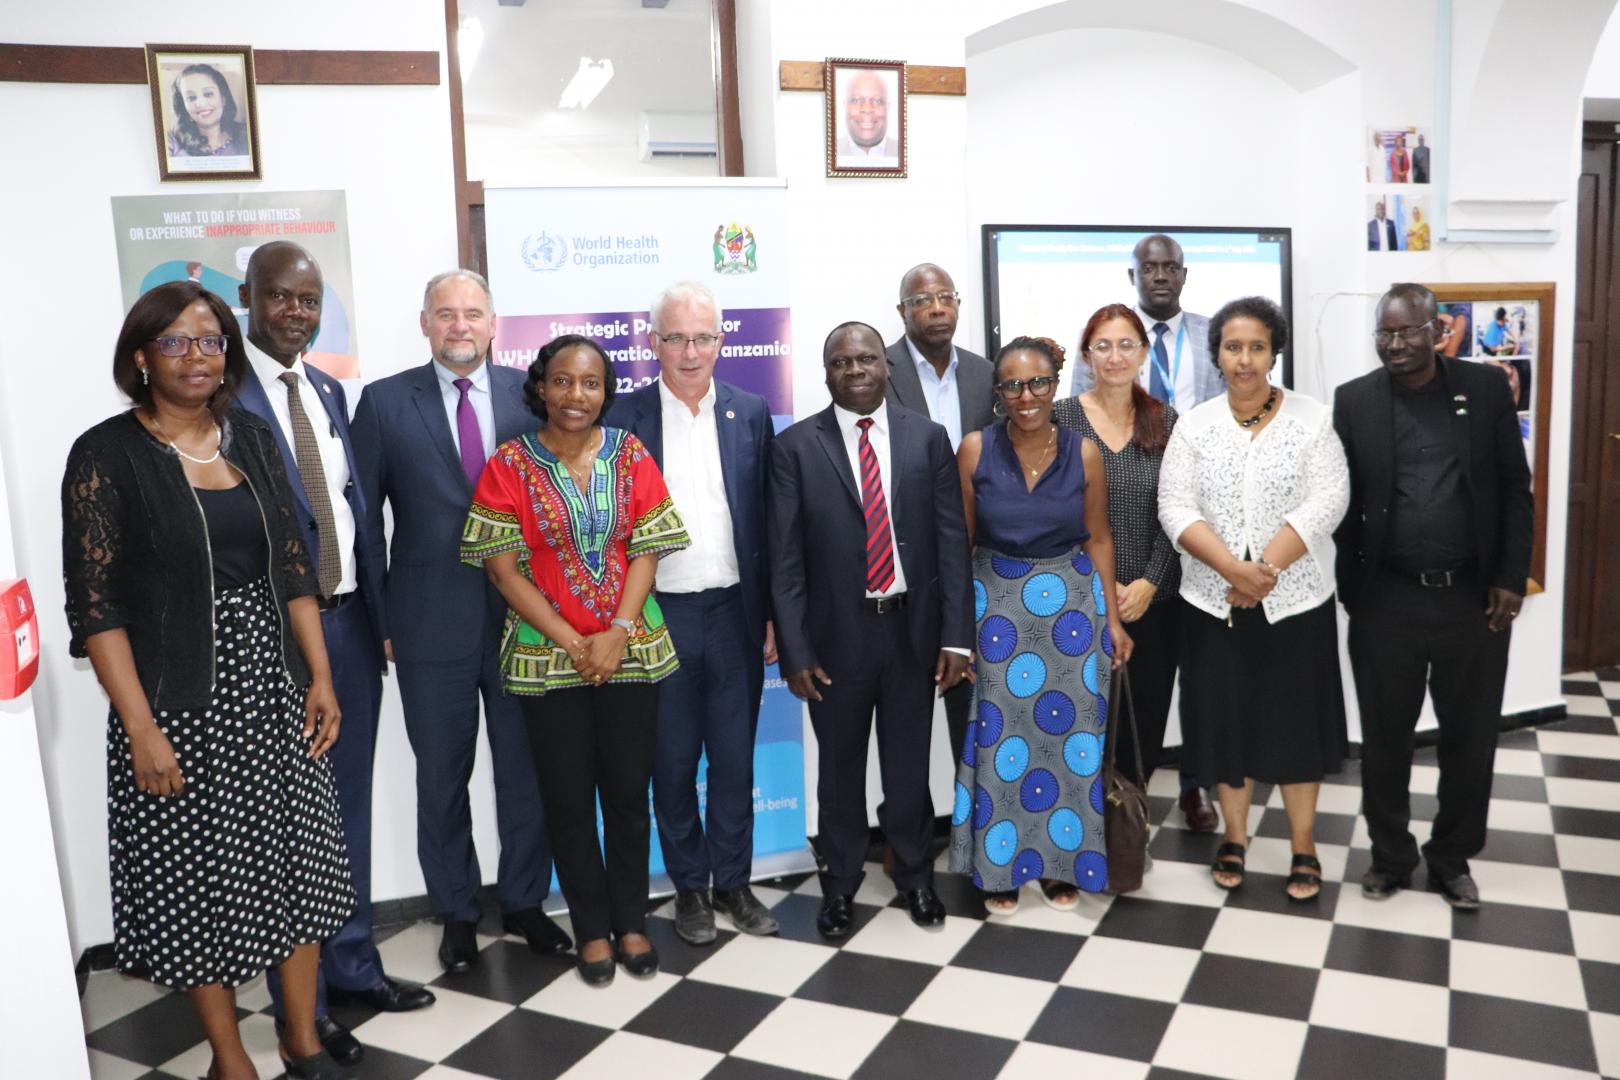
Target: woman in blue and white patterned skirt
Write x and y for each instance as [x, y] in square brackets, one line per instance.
[1029, 803]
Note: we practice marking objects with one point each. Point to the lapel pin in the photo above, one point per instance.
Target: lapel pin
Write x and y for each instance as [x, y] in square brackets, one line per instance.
[730, 415]
[1462, 412]
[1459, 397]
[327, 388]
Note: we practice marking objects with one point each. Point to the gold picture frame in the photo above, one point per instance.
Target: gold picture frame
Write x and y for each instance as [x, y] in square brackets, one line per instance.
[205, 112]
[866, 117]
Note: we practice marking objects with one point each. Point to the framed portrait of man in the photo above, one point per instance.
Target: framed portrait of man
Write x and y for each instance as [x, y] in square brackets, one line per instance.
[866, 117]
[204, 112]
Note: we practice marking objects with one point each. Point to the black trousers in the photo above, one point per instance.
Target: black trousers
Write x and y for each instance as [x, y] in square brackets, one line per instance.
[958, 700]
[1405, 638]
[590, 742]
[1157, 639]
[881, 675]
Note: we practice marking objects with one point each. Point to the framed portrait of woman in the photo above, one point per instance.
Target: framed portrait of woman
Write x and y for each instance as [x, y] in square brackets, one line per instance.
[866, 117]
[204, 112]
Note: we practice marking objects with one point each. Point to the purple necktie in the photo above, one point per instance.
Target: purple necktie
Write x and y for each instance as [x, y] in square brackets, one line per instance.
[472, 440]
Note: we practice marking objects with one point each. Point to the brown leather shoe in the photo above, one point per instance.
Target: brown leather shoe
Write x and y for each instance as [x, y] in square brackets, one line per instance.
[1199, 811]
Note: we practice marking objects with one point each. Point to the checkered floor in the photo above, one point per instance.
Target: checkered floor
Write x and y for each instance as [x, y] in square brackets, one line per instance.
[1177, 980]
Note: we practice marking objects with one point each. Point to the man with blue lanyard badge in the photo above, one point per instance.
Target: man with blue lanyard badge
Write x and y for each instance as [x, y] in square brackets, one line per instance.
[1178, 373]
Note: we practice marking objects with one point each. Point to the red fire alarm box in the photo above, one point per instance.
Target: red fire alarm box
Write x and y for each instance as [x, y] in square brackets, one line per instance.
[19, 638]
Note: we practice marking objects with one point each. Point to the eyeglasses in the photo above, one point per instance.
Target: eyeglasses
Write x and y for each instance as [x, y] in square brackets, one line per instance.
[864, 102]
[1126, 347]
[180, 344]
[1040, 386]
[678, 342]
[1412, 335]
[917, 301]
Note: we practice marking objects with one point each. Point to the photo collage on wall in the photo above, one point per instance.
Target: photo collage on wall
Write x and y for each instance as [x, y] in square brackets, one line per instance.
[1503, 334]
[1398, 174]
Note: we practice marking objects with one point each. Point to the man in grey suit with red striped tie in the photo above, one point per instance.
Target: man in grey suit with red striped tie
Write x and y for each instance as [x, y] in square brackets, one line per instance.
[864, 513]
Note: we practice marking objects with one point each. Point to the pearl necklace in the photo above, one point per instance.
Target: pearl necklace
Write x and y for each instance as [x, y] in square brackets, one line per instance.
[219, 441]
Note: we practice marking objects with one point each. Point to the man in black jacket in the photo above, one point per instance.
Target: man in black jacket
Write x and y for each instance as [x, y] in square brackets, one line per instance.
[1432, 561]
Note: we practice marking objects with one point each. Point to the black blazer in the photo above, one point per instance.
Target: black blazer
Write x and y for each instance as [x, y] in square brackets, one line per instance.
[1485, 431]
[253, 398]
[433, 606]
[743, 421]
[975, 386]
[818, 541]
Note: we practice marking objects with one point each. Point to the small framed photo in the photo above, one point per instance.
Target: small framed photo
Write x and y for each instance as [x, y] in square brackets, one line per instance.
[866, 117]
[205, 112]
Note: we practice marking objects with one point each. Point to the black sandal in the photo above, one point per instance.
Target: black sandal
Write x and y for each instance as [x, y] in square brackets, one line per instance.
[1229, 859]
[1309, 862]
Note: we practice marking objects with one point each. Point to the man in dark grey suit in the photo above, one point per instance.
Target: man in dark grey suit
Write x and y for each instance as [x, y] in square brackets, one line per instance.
[951, 386]
[873, 605]
[421, 439]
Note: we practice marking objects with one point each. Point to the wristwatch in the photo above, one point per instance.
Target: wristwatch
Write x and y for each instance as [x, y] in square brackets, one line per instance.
[626, 625]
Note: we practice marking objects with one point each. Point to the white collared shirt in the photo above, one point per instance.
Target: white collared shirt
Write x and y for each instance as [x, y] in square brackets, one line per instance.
[334, 462]
[483, 404]
[692, 471]
[879, 437]
[940, 392]
[1186, 376]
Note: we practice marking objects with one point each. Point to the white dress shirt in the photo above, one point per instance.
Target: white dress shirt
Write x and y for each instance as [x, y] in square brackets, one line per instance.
[692, 471]
[879, 436]
[940, 392]
[334, 462]
[1183, 378]
[483, 404]
[1246, 489]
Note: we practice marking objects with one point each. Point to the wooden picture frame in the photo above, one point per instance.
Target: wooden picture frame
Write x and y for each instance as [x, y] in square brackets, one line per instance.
[205, 112]
[1511, 324]
[866, 117]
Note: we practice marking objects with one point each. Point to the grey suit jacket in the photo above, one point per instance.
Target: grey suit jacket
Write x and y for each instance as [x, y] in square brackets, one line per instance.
[1207, 378]
[975, 388]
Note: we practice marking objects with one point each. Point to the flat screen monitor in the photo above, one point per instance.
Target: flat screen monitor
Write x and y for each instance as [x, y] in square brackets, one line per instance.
[1046, 280]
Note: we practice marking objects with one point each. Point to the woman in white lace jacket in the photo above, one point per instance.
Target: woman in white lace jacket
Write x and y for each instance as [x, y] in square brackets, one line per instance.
[1253, 484]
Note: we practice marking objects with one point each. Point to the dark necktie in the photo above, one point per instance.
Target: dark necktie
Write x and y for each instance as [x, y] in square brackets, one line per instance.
[469, 435]
[308, 452]
[1161, 364]
[879, 538]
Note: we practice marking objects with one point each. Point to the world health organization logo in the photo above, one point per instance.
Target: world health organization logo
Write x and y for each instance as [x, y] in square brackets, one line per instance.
[544, 251]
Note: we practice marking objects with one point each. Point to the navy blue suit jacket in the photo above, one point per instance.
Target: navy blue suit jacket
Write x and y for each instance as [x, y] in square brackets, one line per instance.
[743, 421]
[434, 606]
[251, 397]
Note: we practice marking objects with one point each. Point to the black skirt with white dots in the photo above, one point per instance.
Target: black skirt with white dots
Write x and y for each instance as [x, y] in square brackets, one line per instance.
[221, 882]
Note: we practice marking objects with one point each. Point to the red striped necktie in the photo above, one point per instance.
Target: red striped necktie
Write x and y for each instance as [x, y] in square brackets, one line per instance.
[879, 538]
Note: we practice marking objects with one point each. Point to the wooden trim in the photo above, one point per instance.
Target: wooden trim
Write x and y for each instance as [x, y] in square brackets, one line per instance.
[273, 67]
[458, 138]
[920, 79]
[1544, 293]
[727, 106]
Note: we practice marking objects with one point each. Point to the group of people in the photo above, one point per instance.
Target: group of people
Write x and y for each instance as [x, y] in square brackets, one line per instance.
[609, 576]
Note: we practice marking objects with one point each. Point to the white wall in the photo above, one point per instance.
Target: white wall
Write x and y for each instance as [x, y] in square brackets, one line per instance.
[60, 309]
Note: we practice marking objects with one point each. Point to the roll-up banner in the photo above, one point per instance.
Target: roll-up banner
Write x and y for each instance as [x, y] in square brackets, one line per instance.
[578, 260]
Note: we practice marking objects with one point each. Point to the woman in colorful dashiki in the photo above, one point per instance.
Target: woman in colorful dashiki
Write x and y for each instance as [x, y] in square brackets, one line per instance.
[569, 522]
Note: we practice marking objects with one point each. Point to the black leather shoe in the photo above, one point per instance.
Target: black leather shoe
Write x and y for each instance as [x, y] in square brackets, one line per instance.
[315, 1067]
[597, 972]
[1379, 884]
[458, 949]
[544, 936]
[836, 917]
[1460, 892]
[694, 917]
[746, 913]
[1198, 810]
[925, 908]
[387, 996]
[336, 1039]
[641, 964]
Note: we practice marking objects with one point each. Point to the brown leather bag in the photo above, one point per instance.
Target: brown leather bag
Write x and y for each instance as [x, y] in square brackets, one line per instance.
[1125, 806]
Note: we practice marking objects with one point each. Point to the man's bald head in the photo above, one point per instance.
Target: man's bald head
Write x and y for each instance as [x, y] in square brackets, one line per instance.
[277, 254]
[283, 296]
[1159, 272]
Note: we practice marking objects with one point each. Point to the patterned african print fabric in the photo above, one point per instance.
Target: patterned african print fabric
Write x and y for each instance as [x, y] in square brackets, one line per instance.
[576, 546]
[1029, 791]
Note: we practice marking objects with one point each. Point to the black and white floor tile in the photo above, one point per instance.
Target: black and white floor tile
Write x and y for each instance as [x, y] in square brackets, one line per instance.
[1177, 980]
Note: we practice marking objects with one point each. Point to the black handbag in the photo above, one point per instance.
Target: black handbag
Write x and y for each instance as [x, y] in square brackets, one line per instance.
[1125, 806]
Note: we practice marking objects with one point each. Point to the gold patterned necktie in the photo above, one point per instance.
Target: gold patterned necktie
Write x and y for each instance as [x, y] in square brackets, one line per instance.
[308, 453]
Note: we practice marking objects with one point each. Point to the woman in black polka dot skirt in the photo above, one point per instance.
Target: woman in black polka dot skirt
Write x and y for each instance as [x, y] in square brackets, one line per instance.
[190, 591]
